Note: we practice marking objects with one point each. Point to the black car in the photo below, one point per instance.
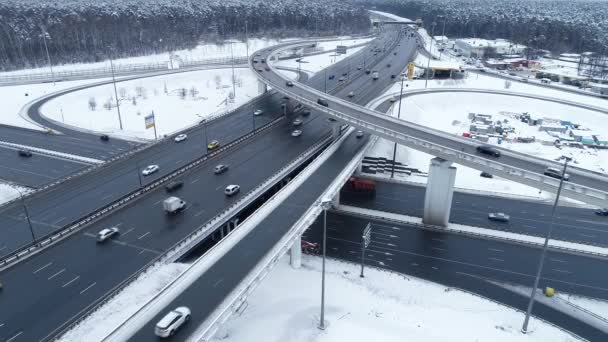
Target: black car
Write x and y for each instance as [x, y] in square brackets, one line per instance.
[289, 84]
[483, 149]
[344, 73]
[331, 77]
[25, 153]
[174, 185]
[306, 113]
[322, 102]
[104, 137]
[388, 65]
[486, 175]
[602, 212]
[393, 76]
[367, 71]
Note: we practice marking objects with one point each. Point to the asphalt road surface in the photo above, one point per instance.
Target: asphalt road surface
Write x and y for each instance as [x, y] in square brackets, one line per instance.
[467, 263]
[53, 286]
[527, 217]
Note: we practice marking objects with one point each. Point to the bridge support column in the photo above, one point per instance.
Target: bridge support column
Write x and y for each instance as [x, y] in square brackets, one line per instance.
[262, 87]
[335, 202]
[335, 130]
[295, 253]
[439, 192]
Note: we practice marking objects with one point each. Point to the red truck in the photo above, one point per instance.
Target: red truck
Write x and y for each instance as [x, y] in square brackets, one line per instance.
[364, 187]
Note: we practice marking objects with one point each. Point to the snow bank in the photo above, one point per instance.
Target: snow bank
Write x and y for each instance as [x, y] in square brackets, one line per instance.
[9, 192]
[382, 306]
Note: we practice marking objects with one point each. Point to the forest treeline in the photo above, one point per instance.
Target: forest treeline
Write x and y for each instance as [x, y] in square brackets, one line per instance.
[555, 25]
[90, 31]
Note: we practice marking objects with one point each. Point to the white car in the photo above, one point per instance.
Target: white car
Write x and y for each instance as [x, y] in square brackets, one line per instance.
[106, 233]
[181, 137]
[296, 133]
[150, 169]
[258, 112]
[297, 122]
[172, 321]
[232, 189]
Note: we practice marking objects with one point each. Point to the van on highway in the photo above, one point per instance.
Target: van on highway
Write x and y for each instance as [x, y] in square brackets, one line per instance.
[323, 102]
[173, 204]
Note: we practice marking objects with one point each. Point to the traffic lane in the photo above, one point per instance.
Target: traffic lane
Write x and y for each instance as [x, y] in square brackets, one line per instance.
[443, 274]
[88, 196]
[57, 287]
[36, 170]
[91, 147]
[204, 295]
[572, 224]
[459, 253]
[155, 228]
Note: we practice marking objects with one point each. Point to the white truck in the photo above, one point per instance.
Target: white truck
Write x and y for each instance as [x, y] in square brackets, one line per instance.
[375, 75]
[173, 204]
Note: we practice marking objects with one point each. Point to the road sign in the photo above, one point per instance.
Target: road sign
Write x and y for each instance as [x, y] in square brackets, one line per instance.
[367, 235]
[341, 49]
[149, 121]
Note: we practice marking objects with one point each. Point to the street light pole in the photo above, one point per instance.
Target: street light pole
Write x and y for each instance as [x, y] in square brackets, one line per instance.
[428, 65]
[27, 214]
[48, 56]
[116, 94]
[326, 204]
[541, 262]
[442, 32]
[398, 117]
[233, 79]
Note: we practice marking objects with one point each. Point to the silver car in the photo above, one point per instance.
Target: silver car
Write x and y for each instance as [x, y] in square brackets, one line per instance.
[106, 233]
[172, 321]
[232, 189]
[150, 169]
[296, 133]
[500, 217]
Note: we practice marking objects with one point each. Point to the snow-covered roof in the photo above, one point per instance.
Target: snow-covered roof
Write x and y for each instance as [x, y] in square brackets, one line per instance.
[598, 85]
[570, 55]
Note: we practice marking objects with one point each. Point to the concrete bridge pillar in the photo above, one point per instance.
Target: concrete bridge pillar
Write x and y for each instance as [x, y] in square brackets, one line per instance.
[262, 87]
[439, 192]
[335, 202]
[295, 253]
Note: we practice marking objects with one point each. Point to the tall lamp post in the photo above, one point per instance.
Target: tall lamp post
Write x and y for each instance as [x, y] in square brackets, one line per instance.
[204, 123]
[442, 31]
[325, 204]
[27, 214]
[398, 117]
[428, 64]
[232, 66]
[541, 262]
[45, 36]
[115, 91]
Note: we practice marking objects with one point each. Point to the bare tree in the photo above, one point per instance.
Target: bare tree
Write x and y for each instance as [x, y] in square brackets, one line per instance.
[507, 84]
[218, 81]
[108, 104]
[122, 92]
[182, 93]
[193, 92]
[92, 104]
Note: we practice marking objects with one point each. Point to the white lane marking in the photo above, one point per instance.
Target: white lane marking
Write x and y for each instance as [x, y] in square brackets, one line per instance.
[435, 268]
[436, 239]
[219, 187]
[143, 236]
[56, 274]
[199, 213]
[439, 249]
[528, 226]
[593, 222]
[218, 282]
[586, 235]
[558, 260]
[14, 337]
[562, 271]
[414, 264]
[127, 232]
[194, 181]
[1, 325]
[496, 259]
[71, 281]
[43, 267]
[495, 250]
[157, 202]
[106, 197]
[61, 219]
[88, 287]
[142, 252]
[3, 247]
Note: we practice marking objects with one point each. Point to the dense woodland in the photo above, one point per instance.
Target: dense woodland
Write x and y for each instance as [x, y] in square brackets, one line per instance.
[555, 25]
[88, 30]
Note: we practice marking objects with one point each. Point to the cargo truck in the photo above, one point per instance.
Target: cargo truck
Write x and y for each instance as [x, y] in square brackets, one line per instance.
[173, 204]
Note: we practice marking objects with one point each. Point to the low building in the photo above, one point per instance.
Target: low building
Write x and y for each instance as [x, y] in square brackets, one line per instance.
[475, 47]
[480, 128]
[552, 128]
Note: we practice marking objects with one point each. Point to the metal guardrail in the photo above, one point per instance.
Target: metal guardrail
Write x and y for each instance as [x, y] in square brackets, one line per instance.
[476, 235]
[184, 245]
[70, 228]
[392, 129]
[590, 313]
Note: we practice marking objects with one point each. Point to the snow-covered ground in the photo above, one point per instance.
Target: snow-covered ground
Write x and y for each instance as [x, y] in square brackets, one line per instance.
[382, 306]
[597, 306]
[177, 100]
[15, 97]
[97, 326]
[10, 191]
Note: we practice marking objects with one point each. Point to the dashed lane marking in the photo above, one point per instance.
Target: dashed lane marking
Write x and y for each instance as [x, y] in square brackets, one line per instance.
[88, 287]
[71, 281]
[43, 267]
[56, 274]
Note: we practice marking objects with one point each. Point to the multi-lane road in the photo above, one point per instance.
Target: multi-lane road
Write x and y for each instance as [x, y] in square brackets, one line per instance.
[467, 262]
[53, 286]
[527, 217]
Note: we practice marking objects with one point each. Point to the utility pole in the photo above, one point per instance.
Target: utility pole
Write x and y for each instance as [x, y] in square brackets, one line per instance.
[116, 94]
[246, 41]
[27, 215]
[541, 262]
[325, 204]
[233, 79]
[428, 65]
[442, 31]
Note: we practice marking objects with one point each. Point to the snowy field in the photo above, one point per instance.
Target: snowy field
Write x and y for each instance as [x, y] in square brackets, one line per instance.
[380, 307]
[177, 100]
[9, 192]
